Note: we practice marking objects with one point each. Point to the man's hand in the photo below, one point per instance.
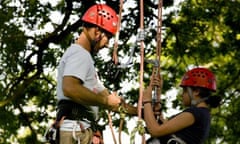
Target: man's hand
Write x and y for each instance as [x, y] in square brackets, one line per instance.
[113, 100]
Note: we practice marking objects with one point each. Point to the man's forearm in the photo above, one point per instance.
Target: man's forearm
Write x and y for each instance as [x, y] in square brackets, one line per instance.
[80, 94]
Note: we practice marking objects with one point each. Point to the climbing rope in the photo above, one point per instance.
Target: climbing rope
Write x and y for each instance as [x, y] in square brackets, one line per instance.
[138, 129]
[111, 126]
[122, 110]
[115, 60]
[115, 48]
[156, 71]
[140, 126]
[156, 68]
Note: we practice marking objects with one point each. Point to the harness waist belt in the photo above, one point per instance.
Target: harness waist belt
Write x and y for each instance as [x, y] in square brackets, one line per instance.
[72, 125]
[74, 111]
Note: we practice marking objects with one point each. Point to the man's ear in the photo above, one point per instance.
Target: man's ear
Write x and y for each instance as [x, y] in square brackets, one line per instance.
[97, 32]
[96, 29]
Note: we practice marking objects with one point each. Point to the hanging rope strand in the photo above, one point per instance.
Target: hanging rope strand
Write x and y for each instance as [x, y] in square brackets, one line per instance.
[159, 30]
[140, 38]
[141, 65]
[111, 127]
[115, 60]
[157, 69]
[115, 48]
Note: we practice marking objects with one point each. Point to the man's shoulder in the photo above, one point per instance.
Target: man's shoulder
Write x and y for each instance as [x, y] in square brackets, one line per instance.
[77, 49]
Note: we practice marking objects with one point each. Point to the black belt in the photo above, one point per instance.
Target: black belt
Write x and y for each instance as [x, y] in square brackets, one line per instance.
[74, 111]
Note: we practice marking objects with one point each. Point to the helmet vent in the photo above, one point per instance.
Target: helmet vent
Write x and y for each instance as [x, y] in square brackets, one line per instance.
[200, 77]
[105, 14]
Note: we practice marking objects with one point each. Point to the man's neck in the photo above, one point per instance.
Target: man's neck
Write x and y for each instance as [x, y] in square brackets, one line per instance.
[84, 40]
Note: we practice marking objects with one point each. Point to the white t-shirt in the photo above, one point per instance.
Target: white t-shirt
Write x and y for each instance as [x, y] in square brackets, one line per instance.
[78, 62]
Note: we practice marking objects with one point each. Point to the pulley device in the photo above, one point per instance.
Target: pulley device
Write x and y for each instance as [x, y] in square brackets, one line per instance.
[114, 71]
[156, 99]
[156, 71]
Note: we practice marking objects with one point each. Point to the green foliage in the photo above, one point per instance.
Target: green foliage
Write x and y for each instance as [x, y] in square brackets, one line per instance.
[199, 33]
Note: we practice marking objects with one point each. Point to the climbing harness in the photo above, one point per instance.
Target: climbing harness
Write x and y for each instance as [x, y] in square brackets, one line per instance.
[75, 126]
[173, 140]
[50, 134]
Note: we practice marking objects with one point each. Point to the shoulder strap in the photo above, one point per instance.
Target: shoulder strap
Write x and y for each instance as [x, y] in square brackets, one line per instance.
[175, 140]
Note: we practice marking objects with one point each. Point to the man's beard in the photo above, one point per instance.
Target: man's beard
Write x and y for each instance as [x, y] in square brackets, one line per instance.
[95, 47]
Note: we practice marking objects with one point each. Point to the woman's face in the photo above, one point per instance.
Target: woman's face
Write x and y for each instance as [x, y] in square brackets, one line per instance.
[185, 97]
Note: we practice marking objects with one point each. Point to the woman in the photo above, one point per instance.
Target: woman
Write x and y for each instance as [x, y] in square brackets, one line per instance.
[191, 126]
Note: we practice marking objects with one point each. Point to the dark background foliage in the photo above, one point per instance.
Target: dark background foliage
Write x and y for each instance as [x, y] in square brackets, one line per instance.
[195, 33]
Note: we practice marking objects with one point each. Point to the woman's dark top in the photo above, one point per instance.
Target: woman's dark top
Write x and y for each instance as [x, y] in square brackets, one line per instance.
[198, 132]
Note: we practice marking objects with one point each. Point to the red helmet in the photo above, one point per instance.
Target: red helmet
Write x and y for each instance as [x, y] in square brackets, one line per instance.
[199, 77]
[102, 16]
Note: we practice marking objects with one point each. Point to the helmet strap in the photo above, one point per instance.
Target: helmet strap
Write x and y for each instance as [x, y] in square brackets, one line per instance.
[190, 93]
[199, 101]
[194, 102]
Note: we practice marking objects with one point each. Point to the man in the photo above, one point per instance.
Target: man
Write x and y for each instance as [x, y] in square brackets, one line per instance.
[79, 91]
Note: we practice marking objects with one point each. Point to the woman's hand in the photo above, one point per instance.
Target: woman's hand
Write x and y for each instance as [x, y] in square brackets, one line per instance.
[147, 94]
[156, 81]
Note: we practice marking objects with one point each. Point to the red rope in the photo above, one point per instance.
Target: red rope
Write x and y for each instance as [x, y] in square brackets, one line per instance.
[111, 127]
[157, 69]
[141, 66]
[115, 48]
[159, 29]
[115, 59]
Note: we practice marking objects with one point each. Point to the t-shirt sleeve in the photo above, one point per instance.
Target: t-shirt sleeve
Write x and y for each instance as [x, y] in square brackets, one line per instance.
[76, 64]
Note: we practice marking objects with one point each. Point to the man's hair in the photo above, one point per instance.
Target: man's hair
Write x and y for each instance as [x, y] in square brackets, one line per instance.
[88, 25]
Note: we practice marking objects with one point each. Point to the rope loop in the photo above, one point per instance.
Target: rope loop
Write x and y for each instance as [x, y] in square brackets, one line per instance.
[139, 128]
[122, 110]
